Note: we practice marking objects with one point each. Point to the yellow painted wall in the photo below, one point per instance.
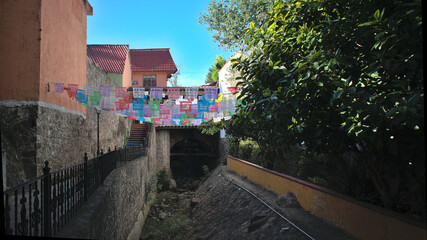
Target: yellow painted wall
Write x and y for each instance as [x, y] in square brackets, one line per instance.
[362, 220]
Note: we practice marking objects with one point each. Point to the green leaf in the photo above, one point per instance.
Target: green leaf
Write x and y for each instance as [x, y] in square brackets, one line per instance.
[368, 23]
[338, 93]
[414, 98]
[377, 14]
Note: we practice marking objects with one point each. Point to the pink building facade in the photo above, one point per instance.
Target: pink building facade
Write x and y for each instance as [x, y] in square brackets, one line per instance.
[151, 67]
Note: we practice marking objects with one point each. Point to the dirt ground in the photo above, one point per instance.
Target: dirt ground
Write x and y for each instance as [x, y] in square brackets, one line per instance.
[219, 209]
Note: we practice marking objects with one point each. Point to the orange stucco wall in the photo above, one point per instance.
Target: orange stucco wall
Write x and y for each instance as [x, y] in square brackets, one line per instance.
[362, 220]
[127, 73]
[19, 49]
[161, 78]
[63, 50]
[42, 42]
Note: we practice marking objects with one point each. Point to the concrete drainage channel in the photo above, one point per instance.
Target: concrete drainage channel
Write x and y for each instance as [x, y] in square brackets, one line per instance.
[227, 206]
[270, 207]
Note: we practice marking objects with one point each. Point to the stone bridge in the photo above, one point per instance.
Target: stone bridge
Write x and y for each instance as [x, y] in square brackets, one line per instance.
[185, 150]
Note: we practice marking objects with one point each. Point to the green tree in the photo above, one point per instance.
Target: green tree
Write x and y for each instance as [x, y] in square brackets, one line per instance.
[343, 78]
[212, 75]
[227, 19]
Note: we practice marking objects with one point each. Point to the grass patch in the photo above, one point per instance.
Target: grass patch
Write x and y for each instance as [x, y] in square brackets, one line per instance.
[177, 226]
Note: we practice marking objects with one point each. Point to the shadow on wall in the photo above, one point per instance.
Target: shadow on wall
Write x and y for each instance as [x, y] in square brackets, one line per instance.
[188, 157]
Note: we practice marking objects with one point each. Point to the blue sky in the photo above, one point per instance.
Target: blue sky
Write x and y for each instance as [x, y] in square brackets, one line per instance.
[158, 24]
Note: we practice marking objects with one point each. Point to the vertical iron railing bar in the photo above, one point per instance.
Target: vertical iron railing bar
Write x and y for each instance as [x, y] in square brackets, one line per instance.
[16, 211]
[42, 202]
[7, 215]
[22, 223]
[35, 216]
[86, 181]
[55, 203]
[67, 196]
[29, 210]
[60, 203]
[115, 156]
[72, 194]
[73, 188]
[63, 198]
[47, 220]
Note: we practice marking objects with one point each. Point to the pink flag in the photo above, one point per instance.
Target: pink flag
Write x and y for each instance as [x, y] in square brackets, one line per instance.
[120, 92]
[72, 90]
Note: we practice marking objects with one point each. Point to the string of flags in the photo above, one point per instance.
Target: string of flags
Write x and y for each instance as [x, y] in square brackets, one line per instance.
[152, 106]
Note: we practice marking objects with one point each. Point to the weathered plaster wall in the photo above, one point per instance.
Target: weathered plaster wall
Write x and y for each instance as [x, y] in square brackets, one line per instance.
[20, 49]
[127, 73]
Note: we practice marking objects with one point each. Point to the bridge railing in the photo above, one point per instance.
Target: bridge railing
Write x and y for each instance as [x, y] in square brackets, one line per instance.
[43, 206]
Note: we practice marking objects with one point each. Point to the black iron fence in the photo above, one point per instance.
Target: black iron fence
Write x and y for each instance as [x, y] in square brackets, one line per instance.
[43, 206]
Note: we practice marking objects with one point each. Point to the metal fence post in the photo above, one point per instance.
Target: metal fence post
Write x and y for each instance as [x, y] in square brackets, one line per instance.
[115, 156]
[47, 200]
[101, 166]
[85, 180]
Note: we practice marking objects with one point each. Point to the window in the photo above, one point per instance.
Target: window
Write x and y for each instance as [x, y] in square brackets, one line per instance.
[149, 80]
[134, 82]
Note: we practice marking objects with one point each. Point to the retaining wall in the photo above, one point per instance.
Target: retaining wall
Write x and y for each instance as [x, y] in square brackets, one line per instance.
[118, 209]
[362, 220]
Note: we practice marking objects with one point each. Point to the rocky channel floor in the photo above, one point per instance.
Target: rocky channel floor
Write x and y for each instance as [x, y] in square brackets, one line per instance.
[169, 216]
[219, 209]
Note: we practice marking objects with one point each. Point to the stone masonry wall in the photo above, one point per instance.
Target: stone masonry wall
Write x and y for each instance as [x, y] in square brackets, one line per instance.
[63, 137]
[118, 209]
[33, 132]
[163, 148]
[18, 142]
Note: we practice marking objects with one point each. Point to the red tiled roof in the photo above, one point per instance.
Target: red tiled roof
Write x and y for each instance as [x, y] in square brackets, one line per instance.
[210, 85]
[110, 58]
[152, 60]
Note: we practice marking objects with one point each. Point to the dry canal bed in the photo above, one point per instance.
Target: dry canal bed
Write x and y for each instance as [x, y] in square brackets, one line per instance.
[222, 209]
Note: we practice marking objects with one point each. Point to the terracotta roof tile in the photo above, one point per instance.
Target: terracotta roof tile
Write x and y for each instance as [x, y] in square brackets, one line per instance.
[210, 85]
[110, 58]
[152, 60]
